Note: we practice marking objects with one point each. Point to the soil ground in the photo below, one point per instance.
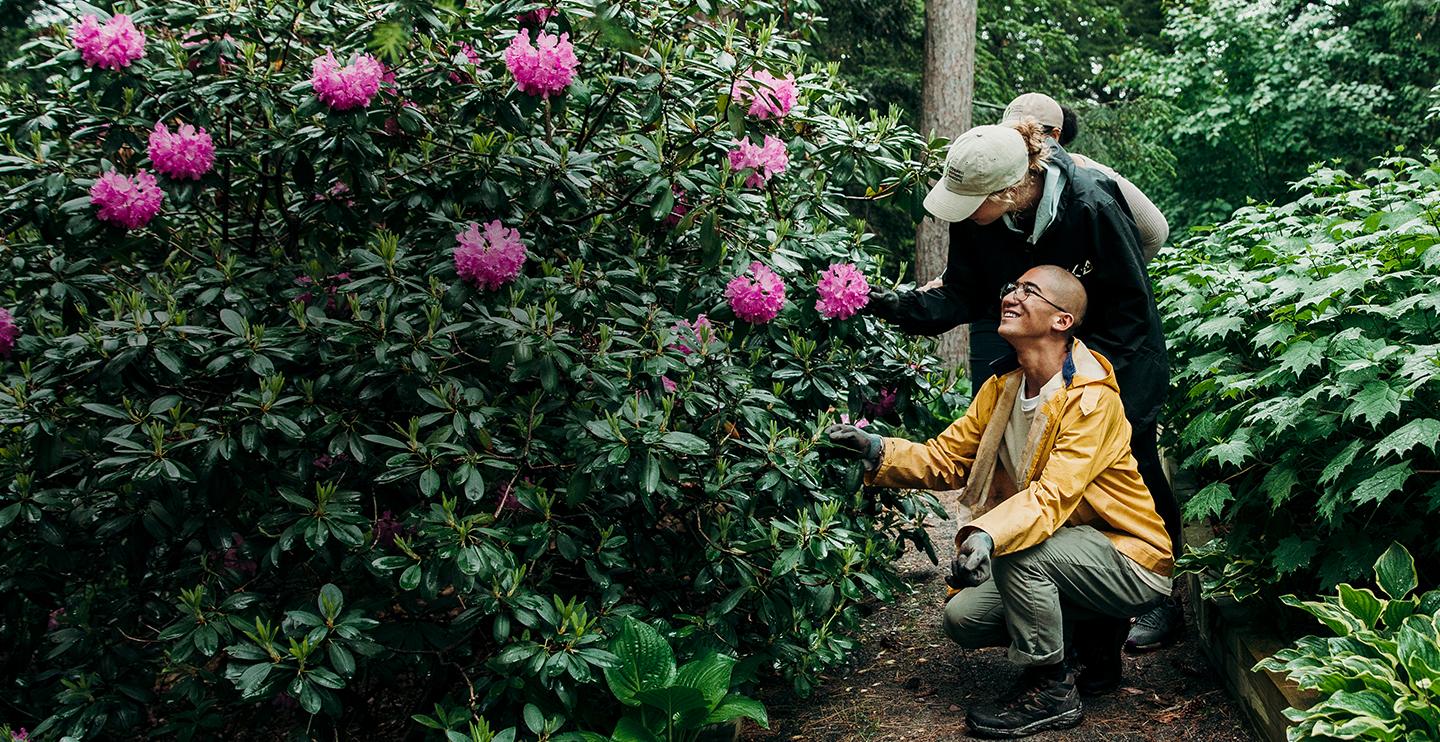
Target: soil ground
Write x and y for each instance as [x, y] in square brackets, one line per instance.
[907, 681]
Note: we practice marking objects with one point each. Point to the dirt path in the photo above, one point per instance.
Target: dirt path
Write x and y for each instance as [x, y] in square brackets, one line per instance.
[909, 682]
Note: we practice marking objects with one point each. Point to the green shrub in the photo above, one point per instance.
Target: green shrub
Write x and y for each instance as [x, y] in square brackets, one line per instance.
[270, 459]
[1379, 676]
[1306, 363]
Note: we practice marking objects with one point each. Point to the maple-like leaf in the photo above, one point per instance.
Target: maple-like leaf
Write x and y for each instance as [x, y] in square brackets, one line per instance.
[1381, 484]
[1425, 431]
[1375, 402]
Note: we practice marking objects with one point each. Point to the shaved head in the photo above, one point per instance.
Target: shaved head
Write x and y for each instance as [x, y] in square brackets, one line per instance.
[1062, 287]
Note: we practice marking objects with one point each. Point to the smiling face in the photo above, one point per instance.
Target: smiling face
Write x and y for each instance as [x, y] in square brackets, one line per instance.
[1037, 315]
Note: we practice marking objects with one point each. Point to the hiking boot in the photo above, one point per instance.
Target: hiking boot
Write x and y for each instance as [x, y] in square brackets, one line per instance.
[1049, 701]
[1097, 650]
[1159, 627]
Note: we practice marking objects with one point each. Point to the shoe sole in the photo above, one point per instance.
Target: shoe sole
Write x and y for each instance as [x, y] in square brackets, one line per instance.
[1152, 646]
[1101, 689]
[1065, 720]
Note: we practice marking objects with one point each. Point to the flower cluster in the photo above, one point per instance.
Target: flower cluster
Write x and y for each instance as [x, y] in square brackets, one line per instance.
[345, 87]
[699, 332]
[765, 161]
[472, 58]
[8, 332]
[769, 96]
[234, 558]
[186, 153]
[843, 291]
[331, 286]
[884, 403]
[544, 68]
[129, 202]
[112, 46]
[489, 259]
[681, 208]
[756, 295]
[387, 527]
[538, 16]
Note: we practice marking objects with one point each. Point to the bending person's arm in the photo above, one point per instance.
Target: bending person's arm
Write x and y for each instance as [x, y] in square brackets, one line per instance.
[1119, 325]
[945, 307]
[1149, 221]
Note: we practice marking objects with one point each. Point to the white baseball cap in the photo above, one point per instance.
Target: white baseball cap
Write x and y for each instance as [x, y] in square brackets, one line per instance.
[1038, 106]
[982, 161]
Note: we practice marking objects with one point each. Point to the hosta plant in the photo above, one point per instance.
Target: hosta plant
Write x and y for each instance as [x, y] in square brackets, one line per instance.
[1379, 674]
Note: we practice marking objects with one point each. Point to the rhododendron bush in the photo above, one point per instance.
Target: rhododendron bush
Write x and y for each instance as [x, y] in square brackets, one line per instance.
[370, 359]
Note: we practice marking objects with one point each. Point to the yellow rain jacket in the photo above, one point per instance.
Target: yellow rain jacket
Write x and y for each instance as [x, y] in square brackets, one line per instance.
[1081, 470]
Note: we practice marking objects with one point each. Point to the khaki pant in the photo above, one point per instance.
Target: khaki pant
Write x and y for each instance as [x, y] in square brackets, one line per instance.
[1074, 574]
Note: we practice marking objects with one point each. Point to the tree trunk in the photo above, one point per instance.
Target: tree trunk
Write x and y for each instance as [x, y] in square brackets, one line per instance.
[945, 107]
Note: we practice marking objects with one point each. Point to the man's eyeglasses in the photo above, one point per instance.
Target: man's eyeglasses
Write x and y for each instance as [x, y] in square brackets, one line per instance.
[1028, 290]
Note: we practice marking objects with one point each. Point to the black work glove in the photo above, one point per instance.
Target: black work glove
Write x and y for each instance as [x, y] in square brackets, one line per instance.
[883, 305]
[853, 443]
[971, 565]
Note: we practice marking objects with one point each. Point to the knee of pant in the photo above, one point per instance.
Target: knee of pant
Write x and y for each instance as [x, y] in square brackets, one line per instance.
[966, 626]
[1019, 562]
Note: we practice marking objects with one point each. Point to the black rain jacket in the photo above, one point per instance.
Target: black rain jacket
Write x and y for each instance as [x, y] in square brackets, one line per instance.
[1093, 236]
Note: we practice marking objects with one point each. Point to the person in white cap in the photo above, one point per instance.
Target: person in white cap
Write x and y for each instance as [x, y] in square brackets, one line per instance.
[1015, 200]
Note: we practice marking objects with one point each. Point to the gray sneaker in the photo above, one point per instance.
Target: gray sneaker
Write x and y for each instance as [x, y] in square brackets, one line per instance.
[1161, 626]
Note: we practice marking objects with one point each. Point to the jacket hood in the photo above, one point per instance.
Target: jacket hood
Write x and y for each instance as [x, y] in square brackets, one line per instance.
[1091, 367]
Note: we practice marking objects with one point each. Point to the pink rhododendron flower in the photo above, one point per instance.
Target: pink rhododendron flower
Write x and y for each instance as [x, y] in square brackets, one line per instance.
[883, 404]
[765, 161]
[472, 57]
[843, 291]
[545, 68]
[769, 96]
[9, 331]
[52, 623]
[537, 17]
[681, 208]
[669, 385]
[345, 87]
[386, 529]
[861, 423]
[756, 295]
[699, 332]
[129, 202]
[187, 153]
[112, 46]
[489, 259]
[508, 501]
[234, 559]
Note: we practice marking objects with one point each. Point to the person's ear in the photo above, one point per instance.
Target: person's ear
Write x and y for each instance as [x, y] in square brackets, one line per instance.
[1063, 321]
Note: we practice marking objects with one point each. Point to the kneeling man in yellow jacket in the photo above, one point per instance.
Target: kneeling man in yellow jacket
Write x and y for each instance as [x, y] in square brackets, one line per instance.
[1075, 542]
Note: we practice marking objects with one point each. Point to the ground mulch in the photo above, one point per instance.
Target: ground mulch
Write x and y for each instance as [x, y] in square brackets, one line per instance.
[908, 681]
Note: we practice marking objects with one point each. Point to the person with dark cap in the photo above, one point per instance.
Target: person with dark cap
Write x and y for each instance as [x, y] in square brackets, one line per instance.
[1015, 199]
[1063, 125]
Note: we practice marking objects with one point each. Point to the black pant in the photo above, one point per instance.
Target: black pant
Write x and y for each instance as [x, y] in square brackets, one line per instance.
[1147, 456]
[986, 345]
